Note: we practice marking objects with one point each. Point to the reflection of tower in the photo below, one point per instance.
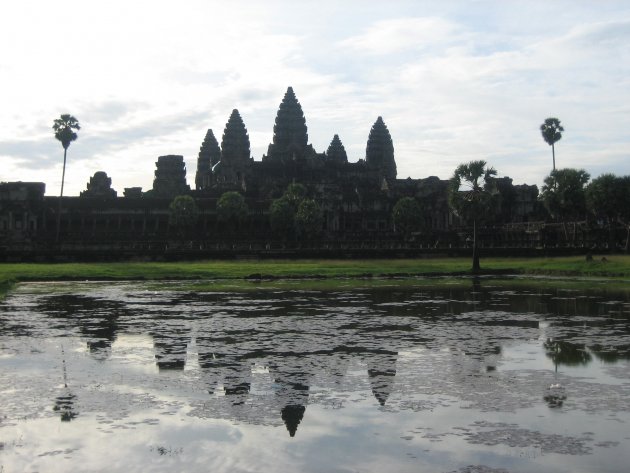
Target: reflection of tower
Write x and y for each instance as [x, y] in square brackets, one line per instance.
[100, 332]
[293, 413]
[237, 381]
[337, 366]
[381, 371]
[210, 363]
[292, 380]
[170, 347]
[96, 318]
[230, 369]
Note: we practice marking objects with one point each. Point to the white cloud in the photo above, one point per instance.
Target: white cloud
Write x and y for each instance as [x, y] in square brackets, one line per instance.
[453, 84]
[402, 34]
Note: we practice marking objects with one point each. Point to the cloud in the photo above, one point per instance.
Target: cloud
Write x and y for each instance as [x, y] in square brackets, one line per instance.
[402, 34]
[453, 83]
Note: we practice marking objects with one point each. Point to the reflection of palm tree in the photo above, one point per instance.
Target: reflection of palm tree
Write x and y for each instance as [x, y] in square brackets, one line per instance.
[566, 353]
[611, 354]
[64, 404]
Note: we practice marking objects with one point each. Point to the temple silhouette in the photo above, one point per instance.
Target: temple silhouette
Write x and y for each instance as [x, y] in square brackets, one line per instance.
[356, 200]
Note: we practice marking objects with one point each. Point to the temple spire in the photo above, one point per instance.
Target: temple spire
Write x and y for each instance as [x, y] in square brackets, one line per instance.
[379, 153]
[209, 155]
[336, 152]
[235, 149]
[290, 137]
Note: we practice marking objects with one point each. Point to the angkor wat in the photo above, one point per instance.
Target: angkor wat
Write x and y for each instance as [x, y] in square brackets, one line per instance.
[355, 200]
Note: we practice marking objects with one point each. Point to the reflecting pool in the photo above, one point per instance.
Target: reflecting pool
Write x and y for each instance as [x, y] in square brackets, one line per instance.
[444, 376]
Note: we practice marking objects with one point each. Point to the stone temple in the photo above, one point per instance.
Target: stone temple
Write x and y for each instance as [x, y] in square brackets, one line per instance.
[290, 158]
[356, 198]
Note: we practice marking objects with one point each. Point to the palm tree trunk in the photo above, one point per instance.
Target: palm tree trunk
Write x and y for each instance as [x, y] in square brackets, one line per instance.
[553, 154]
[566, 232]
[475, 265]
[63, 178]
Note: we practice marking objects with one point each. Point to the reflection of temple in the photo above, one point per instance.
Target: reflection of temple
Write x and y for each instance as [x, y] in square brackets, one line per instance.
[264, 357]
[170, 347]
[292, 378]
[97, 319]
[222, 364]
[381, 371]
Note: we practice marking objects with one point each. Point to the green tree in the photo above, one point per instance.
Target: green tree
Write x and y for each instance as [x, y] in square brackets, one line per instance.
[471, 194]
[282, 212]
[563, 195]
[183, 214]
[295, 194]
[608, 197]
[309, 219]
[232, 209]
[282, 217]
[64, 128]
[552, 132]
[408, 216]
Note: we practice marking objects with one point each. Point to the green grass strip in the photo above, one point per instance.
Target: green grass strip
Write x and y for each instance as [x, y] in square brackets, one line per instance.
[615, 266]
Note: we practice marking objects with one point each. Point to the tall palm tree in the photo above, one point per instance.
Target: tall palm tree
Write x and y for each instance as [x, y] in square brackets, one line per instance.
[64, 127]
[552, 132]
[470, 194]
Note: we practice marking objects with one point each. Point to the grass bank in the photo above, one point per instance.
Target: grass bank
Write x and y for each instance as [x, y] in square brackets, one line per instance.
[614, 266]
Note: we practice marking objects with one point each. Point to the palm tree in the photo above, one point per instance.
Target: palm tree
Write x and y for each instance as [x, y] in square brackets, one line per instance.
[64, 127]
[552, 132]
[470, 193]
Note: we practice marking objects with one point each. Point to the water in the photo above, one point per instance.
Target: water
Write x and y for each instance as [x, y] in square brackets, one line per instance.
[460, 376]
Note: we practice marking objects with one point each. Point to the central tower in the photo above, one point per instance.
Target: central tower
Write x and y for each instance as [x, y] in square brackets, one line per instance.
[290, 137]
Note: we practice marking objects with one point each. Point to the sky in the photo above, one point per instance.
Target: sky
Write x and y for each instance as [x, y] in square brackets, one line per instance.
[454, 81]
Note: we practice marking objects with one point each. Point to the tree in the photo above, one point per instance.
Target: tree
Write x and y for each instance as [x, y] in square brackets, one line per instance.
[471, 192]
[308, 219]
[563, 195]
[183, 213]
[282, 216]
[552, 132]
[408, 216]
[232, 209]
[64, 127]
[608, 197]
[295, 194]
[282, 212]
